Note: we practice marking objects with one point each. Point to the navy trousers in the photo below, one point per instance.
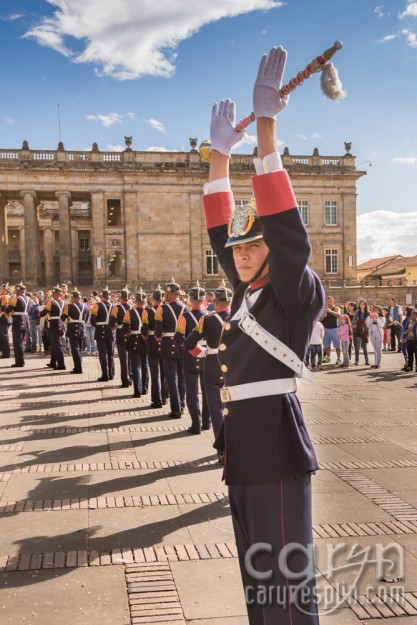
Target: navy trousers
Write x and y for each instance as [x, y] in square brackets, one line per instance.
[57, 351]
[215, 406]
[19, 355]
[105, 349]
[175, 381]
[268, 519]
[159, 391]
[4, 340]
[198, 417]
[144, 373]
[124, 363]
[135, 359]
[76, 353]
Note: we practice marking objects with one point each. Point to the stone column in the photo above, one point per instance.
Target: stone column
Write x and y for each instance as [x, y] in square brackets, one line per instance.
[4, 257]
[131, 220]
[32, 267]
[98, 253]
[48, 248]
[65, 252]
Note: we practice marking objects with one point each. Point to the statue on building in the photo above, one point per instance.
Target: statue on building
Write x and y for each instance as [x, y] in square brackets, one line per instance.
[128, 142]
[348, 147]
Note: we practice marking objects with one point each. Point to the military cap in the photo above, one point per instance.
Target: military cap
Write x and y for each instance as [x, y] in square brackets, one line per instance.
[125, 293]
[105, 292]
[197, 291]
[141, 296]
[20, 287]
[57, 290]
[172, 287]
[5, 286]
[75, 293]
[244, 225]
[158, 293]
[222, 293]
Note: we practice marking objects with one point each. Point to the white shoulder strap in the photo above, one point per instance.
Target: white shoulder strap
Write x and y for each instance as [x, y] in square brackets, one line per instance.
[272, 344]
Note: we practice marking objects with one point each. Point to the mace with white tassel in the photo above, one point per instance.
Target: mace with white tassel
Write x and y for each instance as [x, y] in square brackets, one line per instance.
[330, 85]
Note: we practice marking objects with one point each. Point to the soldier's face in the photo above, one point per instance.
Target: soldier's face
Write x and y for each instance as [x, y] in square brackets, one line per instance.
[249, 257]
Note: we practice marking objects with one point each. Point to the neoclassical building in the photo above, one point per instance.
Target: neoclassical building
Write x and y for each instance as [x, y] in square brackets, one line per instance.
[96, 218]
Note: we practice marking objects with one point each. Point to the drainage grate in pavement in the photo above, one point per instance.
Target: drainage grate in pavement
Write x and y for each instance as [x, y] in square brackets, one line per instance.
[393, 505]
[57, 505]
[389, 606]
[120, 447]
[16, 447]
[128, 555]
[153, 597]
[348, 439]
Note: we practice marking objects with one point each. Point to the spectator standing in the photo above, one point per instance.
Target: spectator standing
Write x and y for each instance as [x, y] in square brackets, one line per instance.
[375, 323]
[387, 329]
[360, 331]
[91, 345]
[407, 340]
[396, 314]
[351, 309]
[345, 332]
[316, 346]
[330, 321]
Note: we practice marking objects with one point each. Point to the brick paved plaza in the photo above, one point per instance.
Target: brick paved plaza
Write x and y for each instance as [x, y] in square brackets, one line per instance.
[111, 514]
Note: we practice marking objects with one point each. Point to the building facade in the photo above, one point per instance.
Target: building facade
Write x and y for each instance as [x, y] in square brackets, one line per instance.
[95, 218]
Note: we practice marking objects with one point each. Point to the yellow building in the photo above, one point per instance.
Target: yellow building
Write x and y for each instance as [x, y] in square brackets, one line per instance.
[92, 217]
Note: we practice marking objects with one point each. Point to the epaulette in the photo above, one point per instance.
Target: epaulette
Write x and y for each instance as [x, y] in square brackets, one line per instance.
[159, 315]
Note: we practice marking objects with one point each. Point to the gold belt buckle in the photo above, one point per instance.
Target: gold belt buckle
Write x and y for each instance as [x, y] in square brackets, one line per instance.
[225, 395]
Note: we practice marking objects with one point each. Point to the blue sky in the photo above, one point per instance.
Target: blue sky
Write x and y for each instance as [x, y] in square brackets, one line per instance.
[153, 69]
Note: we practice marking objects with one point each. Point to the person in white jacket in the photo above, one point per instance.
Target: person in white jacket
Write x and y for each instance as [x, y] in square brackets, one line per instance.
[375, 323]
[316, 345]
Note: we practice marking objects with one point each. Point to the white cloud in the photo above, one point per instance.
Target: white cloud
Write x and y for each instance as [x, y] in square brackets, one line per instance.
[154, 123]
[11, 18]
[388, 38]
[248, 139]
[410, 37]
[316, 136]
[115, 148]
[107, 120]
[10, 121]
[410, 11]
[405, 160]
[300, 136]
[131, 115]
[379, 11]
[385, 233]
[126, 40]
[154, 148]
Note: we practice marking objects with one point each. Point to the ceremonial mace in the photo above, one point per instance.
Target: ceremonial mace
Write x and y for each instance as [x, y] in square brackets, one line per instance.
[330, 85]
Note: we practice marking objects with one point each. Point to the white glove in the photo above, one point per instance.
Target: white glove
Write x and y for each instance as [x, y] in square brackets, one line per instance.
[222, 131]
[267, 101]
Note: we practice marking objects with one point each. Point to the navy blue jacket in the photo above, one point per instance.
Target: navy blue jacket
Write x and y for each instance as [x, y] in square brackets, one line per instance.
[266, 438]
[186, 324]
[166, 318]
[209, 329]
[75, 311]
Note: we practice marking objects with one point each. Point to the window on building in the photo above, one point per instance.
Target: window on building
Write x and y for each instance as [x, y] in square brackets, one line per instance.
[350, 260]
[239, 203]
[114, 213]
[14, 240]
[303, 208]
[212, 263]
[84, 241]
[330, 213]
[332, 261]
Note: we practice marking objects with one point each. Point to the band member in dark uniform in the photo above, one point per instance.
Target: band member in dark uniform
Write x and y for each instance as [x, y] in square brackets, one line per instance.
[136, 343]
[264, 249]
[17, 309]
[100, 320]
[54, 308]
[209, 330]
[166, 318]
[5, 321]
[194, 365]
[159, 391]
[116, 321]
[75, 315]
